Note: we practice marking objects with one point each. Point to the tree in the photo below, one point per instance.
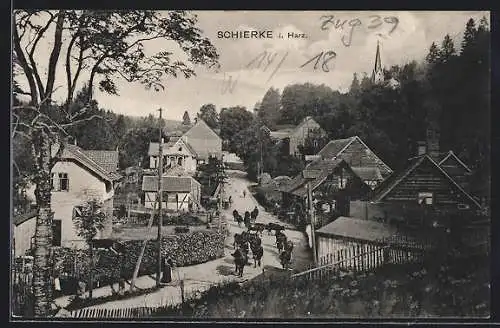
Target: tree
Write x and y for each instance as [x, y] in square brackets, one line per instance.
[433, 55]
[209, 114]
[107, 45]
[354, 84]
[269, 108]
[89, 220]
[186, 120]
[232, 121]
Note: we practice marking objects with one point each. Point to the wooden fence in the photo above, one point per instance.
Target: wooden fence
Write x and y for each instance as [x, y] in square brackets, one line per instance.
[362, 258]
[124, 313]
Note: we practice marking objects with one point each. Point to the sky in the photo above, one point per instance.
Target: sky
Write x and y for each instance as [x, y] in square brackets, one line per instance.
[403, 36]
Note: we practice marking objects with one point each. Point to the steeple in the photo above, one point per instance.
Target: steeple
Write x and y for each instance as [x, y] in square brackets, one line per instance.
[377, 74]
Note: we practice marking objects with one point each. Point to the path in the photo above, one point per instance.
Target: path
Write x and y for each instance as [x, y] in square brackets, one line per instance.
[200, 277]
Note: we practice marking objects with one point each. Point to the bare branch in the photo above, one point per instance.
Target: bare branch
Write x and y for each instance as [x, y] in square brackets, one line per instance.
[31, 52]
[21, 58]
[54, 56]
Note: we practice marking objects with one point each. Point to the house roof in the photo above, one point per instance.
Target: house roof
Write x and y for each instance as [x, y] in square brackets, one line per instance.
[21, 218]
[368, 173]
[76, 153]
[336, 147]
[392, 181]
[358, 229]
[175, 170]
[305, 121]
[154, 147]
[170, 183]
[451, 156]
[204, 141]
[108, 159]
[281, 134]
[321, 170]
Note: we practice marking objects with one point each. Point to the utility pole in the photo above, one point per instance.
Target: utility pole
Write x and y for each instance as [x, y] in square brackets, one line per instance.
[311, 216]
[160, 199]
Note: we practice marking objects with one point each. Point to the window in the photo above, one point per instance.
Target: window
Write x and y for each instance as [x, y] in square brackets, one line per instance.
[59, 181]
[172, 159]
[425, 198]
[342, 182]
[463, 207]
[422, 149]
[179, 161]
[56, 232]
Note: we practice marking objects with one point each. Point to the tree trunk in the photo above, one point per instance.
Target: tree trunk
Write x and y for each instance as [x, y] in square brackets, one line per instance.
[43, 234]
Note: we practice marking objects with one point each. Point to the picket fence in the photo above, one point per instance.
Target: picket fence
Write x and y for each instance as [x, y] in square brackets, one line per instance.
[122, 313]
[364, 258]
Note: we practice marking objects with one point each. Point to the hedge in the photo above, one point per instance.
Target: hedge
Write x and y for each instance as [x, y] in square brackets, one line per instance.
[185, 249]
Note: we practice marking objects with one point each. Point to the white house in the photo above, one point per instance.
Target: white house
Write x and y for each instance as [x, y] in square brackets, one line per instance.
[78, 176]
[176, 152]
[180, 193]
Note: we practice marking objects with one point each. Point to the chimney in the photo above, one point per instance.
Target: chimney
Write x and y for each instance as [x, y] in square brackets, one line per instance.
[433, 142]
[421, 148]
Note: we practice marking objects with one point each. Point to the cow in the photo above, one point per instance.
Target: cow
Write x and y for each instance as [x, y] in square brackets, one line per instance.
[240, 260]
[257, 251]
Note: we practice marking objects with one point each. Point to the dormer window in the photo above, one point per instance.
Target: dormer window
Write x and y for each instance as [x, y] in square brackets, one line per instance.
[425, 198]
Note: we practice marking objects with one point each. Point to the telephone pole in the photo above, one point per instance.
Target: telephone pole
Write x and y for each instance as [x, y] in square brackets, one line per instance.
[160, 198]
[311, 216]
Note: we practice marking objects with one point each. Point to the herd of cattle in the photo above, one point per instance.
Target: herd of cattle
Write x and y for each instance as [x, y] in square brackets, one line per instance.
[250, 240]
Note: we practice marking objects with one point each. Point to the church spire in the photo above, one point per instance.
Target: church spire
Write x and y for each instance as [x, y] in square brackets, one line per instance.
[377, 74]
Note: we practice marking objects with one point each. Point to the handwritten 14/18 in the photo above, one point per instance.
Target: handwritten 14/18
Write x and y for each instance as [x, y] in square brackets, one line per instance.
[264, 60]
[376, 21]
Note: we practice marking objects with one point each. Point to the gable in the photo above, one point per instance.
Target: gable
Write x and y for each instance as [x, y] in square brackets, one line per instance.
[201, 131]
[424, 175]
[357, 154]
[452, 161]
[180, 147]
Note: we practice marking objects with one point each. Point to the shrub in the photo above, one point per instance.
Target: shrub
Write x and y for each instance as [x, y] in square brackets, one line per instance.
[185, 249]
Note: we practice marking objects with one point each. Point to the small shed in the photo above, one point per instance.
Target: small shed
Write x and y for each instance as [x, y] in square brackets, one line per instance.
[346, 232]
[180, 193]
[367, 235]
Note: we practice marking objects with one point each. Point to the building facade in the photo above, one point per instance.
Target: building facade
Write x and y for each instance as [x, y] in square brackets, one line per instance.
[79, 176]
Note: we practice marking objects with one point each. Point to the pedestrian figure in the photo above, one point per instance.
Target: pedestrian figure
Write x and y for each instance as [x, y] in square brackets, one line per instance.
[247, 219]
[244, 193]
[230, 200]
[121, 286]
[57, 285]
[167, 271]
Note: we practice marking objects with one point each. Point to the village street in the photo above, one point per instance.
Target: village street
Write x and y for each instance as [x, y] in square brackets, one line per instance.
[198, 278]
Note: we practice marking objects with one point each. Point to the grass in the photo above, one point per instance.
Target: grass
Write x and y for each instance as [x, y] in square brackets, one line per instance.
[391, 291]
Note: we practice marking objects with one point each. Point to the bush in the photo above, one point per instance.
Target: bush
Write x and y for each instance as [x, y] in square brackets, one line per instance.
[185, 249]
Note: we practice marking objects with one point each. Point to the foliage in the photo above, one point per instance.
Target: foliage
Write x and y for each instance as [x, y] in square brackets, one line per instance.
[89, 219]
[209, 114]
[210, 175]
[232, 121]
[391, 291]
[268, 110]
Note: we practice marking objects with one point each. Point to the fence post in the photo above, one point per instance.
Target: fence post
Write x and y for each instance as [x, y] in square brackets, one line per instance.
[385, 255]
